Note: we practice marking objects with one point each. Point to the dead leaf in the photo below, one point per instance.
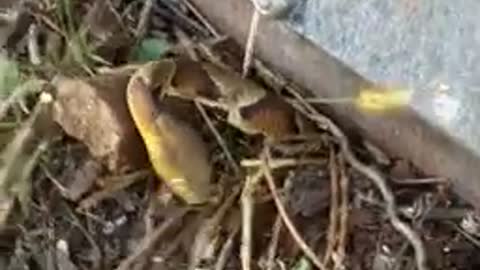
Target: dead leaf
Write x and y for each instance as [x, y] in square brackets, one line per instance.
[206, 240]
[82, 180]
[176, 151]
[94, 111]
[310, 192]
[109, 35]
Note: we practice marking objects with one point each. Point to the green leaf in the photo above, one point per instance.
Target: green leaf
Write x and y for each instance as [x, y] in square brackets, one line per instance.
[9, 76]
[302, 264]
[18, 160]
[151, 49]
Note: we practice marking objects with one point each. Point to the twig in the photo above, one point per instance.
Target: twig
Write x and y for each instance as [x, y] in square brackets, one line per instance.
[420, 181]
[303, 148]
[226, 250]
[149, 241]
[280, 163]
[149, 215]
[247, 205]
[378, 154]
[50, 24]
[218, 137]
[97, 254]
[94, 218]
[33, 49]
[272, 248]
[18, 93]
[342, 230]
[370, 173]
[470, 238]
[208, 229]
[332, 227]
[173, 246]
[116, 14]
[53, 179]
[281, 265]
[202, 19]
[286, 219]
[185, 41]
[274, 10]
[391, 208]
[275, 81]
[406, 211]
[446, 213]
[125, 181]
[144, 17]
[206, 51]
[417, 223]
[184, 19]
[249, 47]
[148, 219]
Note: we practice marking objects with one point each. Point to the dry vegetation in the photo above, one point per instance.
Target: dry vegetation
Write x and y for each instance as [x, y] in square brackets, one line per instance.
[269, 182]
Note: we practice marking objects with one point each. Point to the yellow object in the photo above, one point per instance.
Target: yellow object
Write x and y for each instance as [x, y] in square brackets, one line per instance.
[379, 100]
[176, 152]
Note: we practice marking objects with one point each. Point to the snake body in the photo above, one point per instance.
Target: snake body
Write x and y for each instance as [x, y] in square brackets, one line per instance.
[176, 151]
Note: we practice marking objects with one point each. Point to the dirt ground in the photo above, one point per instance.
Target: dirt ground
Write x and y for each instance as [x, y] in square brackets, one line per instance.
[288, 196]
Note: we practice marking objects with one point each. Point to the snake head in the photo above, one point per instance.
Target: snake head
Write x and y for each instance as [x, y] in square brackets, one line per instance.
[270, 116]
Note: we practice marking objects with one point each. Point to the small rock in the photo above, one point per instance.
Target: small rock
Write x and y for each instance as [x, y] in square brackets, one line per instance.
[94, 111]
